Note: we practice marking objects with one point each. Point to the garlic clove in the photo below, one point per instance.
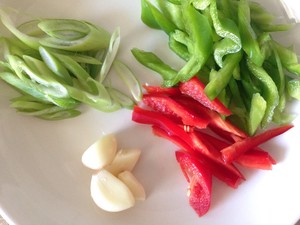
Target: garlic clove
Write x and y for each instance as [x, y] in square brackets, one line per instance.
[100, 153]
[125, 159]
[110, 193]
[133, 184]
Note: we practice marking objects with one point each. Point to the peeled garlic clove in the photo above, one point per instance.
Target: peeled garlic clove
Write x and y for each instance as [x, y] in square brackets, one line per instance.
[110, 193]
[125, 159]
[101, 153]
[133, 184]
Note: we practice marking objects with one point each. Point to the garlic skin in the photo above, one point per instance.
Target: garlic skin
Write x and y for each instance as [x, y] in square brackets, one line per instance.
[110, 193]
[100, 153]
[125, 160]
[133, 184]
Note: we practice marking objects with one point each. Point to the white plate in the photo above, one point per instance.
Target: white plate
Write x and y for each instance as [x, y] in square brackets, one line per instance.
[42, 180]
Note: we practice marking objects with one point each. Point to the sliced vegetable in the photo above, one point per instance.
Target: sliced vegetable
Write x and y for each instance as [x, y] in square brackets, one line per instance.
[256, 159]
[208, 151]
[200, 182]
[60, 63]
[240, 147]
[195, 88]
[129, 79]
[229, 46]
[257, 112]
[172, 108]
[110, 54]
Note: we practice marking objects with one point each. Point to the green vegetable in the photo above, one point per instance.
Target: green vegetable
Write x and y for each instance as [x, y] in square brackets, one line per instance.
[200, 42]
[228, 30]
[228, 45]
[56, 64]
[257, 111]
[249, 41]
[223, 76]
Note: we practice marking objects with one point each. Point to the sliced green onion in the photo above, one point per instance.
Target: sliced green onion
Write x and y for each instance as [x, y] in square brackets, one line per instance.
[55, 65]
[121, 98]
[110, 54]
[129, 79]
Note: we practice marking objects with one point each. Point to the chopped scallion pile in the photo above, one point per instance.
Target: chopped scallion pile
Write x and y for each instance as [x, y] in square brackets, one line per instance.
[57, 64]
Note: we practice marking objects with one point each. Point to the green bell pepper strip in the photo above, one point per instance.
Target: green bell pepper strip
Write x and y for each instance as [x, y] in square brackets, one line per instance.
[172, 12]
[293, 88]
[259, 14]
[288, 58]
[256, 113]
[199, 31]
[249, 42]
[263, 20]
[152, 61]
[221, 80]
[269, 90]
[154, 18]
[248, 84]
[176, 2]
[237, 103]
[147, 15]
[227, 29]
[277, 74]
[224, 95]
[180, 43]
[201, 4]
[178, 47]
[227, 9]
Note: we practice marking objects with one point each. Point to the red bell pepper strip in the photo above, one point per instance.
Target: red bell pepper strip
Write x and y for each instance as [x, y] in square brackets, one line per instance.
[256, 159]
[162, 90]
[215, 119]
[199, 179]
[144, 116]
[172, 138]
[224, 172]
[170, 107]
[224, 134]
[195, 89]
[237, 149]
[209, 149]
